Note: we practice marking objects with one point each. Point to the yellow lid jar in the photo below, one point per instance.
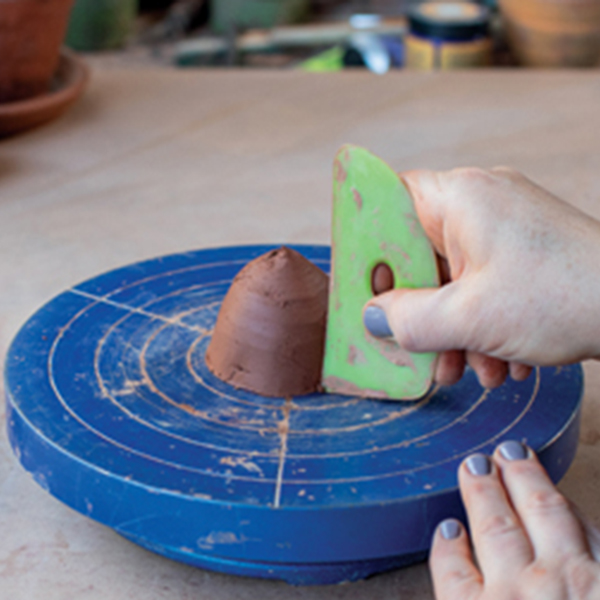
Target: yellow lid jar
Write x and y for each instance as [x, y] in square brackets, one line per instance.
[448, 35]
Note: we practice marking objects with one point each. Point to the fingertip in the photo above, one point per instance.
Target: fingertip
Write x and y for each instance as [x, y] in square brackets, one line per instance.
[491, 372]
[376, 322]
[477, 465]
[450, 529]
[508, 172]
[450, 367]
[519, 371]
[392, 314]
[473, 473]
[422, 319]
[516, 457]
[513, 450]
[450, 539]
[451, 561]
[446, 533]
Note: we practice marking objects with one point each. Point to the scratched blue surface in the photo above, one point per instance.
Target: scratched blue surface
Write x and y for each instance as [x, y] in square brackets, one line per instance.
[113, 411]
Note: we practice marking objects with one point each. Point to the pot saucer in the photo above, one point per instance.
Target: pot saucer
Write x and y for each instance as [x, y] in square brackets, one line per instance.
[67, 85]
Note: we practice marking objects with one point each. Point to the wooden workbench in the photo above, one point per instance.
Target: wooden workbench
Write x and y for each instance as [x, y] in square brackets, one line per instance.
[154, 161]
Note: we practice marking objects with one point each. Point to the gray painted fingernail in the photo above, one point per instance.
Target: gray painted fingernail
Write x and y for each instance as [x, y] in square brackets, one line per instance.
[376, 322]
[450, 529]
[512, 450]
[479, 464]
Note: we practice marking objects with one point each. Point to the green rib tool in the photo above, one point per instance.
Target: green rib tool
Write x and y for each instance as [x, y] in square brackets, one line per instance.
[374, 223]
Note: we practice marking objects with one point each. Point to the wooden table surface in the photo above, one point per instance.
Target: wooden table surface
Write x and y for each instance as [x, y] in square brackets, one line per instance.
[154, 161]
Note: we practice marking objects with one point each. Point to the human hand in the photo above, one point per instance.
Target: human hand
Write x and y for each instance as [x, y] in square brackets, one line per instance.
[523, 272]
[530, 542]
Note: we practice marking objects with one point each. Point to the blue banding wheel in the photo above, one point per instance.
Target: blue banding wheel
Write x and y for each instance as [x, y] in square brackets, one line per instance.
[113, 411]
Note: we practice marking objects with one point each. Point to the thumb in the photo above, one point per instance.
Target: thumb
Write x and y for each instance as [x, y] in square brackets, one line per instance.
[421, 320]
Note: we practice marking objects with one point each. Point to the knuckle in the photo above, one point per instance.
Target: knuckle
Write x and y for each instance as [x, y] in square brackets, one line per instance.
[457, 576]
[540, 581]
[458, 583]
[522, 472]
[581, 579]
[546, 501]
[499, 526]
[477, 179]
[481, 489]
[464, 181]
[523, 469]
[470, 174]
[575, 578]
[506, 170]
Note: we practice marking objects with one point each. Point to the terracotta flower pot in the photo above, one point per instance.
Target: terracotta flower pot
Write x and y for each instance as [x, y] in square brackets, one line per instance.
[553, 33]
[31, 34]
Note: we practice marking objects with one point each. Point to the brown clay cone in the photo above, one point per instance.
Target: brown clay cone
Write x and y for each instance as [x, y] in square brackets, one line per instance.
[270, 333]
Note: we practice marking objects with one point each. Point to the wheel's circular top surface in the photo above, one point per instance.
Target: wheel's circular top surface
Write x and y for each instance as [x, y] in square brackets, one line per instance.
[112, 408]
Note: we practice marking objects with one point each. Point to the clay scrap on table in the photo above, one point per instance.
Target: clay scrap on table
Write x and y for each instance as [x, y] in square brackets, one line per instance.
[270, 332]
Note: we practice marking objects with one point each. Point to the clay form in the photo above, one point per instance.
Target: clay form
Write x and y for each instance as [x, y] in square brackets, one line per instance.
[377, 244]
[68, 84]
[270, 332]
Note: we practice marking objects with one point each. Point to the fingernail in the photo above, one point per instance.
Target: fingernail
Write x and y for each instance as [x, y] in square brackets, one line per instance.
[512, 450]
[479, 464]
[450, 529]
[376, 322]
